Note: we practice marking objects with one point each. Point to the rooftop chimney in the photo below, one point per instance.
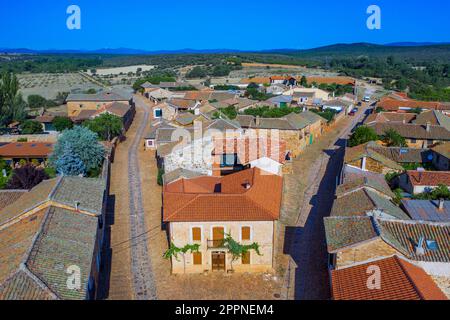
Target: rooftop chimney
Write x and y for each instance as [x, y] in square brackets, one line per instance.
[428, 126]
[76, 205]
[441, 204]
[258, 121]
[247, 184]
[419, 248]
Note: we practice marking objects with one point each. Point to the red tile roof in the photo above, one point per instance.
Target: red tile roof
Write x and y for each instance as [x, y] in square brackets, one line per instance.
[26, 149]
[400, 280]
[429, 178]
[250, 149]
[390, 104]
[224, 198]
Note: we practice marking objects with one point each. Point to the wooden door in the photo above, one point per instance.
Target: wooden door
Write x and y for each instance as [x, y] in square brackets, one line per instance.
[218, 260]
[218, 236]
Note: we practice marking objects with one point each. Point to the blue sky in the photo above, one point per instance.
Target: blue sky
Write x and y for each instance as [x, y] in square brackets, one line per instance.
[209, 24]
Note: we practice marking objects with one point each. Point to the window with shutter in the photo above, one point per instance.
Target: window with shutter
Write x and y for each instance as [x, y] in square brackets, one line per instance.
[197, 257]
[246, 258]
[245, 233]
[196, 234]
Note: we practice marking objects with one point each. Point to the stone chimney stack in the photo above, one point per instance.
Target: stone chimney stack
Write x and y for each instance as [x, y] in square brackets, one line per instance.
[258, 121]
[428, 126]
[441, 204]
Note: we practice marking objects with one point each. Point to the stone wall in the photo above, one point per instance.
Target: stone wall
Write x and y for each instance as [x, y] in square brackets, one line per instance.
[262, 232]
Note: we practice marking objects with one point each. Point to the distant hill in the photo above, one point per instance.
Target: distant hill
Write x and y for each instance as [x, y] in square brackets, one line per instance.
[415, 52]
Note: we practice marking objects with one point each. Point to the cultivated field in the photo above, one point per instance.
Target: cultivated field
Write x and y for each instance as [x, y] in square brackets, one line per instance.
[49, 84]
[122, 70]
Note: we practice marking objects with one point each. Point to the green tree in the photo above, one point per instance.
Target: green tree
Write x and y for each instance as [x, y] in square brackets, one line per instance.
[393, 139]
[106, 125]
[12, 105]
[36, 101]
[303, 81]
[31, 127]
[62, 123]
[362, 135]
[84, 144]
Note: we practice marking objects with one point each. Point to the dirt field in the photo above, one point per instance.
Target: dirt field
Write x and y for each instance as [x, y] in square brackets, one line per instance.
[49, 84]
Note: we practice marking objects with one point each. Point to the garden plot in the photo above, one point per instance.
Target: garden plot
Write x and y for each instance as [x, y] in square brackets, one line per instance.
[49, 84]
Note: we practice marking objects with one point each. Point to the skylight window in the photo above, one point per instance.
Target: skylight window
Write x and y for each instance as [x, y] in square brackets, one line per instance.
[432, 245]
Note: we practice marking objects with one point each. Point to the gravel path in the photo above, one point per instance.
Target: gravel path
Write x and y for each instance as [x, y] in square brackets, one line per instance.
[141, 268]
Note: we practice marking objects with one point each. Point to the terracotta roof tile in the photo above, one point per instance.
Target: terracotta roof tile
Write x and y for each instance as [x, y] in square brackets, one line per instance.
[400, 280]
[26, 149]
[428, 178]
[225, 198]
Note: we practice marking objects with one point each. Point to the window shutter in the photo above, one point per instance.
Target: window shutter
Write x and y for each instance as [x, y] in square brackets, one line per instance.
[196, 234]
[246, 258]
[245, 233]
[197, 257]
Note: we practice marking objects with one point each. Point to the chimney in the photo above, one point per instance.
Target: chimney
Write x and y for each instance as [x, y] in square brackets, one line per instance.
[428, 126]
[419, 248]
[77, 203]
[258, 121]
[441, 204]
[247, 184]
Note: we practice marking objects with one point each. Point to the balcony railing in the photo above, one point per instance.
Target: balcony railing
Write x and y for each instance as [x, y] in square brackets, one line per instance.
[216, 244]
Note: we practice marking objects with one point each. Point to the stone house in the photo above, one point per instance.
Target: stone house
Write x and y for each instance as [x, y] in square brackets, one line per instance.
[49, 233]
[77, 103]
[296, 130]
[205, 210]
[416, 136]
[441, 156]
[367, 157]
[353, 240]
[415, 182]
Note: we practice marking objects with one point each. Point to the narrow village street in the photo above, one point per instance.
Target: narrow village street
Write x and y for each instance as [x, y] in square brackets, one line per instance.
[305, 241]
[130, 273]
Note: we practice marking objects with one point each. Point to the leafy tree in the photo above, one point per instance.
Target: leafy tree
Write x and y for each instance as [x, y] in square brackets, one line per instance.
[416, 110]
[303, 82]
[173, 251]
[393, 139]
[61, 97]
[362, 135]
[91, 91]
[440, 192]
[62, 123]
[230, 112]
[26, 177]
[84, 144]
[36, 101]
[31, 127]
[12, 105]
[196, 72]
[69, 163]
[398, 196]
[107, 126]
